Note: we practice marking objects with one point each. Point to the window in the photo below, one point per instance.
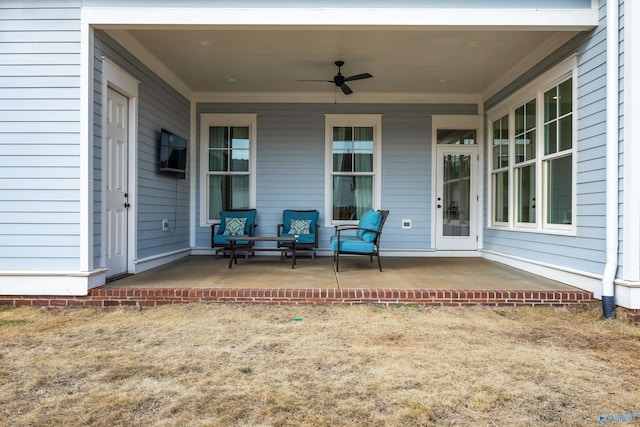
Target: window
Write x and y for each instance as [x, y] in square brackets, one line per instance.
[353, 174]
[228, 146]
[524, 167]
[541, 140]
[558, 144]
[500, 173]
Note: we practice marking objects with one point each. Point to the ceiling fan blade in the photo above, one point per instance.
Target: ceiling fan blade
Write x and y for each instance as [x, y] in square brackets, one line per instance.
[325, 81]
[346, 89]
[358, 77]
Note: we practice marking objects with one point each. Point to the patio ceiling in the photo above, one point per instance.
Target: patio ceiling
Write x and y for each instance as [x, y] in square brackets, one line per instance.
[402, 60]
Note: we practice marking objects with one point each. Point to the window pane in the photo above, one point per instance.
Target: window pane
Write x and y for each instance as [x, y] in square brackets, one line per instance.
[341, 133]
[500, 143]
[551, 138]
[218, 160]
[565, 97]
[218, 137]
[342, 156]
[530, 145]
[456, 136]
[520, 120]
[352, 196]
[526, 200]
[530, 118]
[520, 147]
[566, 133]
[550, 104]
[496, 157]
[363, 159]
[363, 134]
[559, 190]
[501, 197]
[240, 160]
[240, 137]
[227, 192]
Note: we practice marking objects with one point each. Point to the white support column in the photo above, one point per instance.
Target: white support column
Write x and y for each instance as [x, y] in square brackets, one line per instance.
[631, 210]
[86, 148]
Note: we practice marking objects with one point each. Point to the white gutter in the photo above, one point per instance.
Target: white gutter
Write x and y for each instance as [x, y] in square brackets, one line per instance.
[611, 267]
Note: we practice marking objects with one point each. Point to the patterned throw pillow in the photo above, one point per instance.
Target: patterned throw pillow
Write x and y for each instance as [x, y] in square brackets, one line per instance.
[299, 226]
[234, 226]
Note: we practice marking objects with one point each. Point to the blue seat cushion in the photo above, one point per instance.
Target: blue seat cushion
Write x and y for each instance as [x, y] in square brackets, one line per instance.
[370, 220]
[302, 238]
[221, 240]
[351, 244]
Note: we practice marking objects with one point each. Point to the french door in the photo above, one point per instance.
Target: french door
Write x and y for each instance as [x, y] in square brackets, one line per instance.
[456, 197]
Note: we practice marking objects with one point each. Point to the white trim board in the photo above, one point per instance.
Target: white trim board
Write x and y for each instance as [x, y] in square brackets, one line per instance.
[582, 280]
[145, 264]
[448, 18]
[118, 79]
[62, 283]
[631, 205]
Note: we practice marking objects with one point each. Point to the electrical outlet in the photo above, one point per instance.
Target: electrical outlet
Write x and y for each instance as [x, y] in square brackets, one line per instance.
[165, 225]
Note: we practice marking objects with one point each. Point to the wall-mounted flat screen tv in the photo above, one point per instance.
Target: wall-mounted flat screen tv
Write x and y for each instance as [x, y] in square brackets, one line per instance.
[173, 153]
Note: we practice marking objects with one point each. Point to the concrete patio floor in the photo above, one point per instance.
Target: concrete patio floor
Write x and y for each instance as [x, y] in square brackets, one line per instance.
[356, 272]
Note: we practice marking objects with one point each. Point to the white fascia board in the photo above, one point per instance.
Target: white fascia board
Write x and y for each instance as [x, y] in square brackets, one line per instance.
[331, 98]
[513, 19]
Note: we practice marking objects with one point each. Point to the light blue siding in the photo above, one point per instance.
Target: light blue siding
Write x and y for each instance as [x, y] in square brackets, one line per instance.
[159, 196]
[291, 169]
[586, 251]
[39, 135]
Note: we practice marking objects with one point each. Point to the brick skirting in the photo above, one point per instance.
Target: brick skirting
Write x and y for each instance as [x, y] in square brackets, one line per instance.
[151, 297]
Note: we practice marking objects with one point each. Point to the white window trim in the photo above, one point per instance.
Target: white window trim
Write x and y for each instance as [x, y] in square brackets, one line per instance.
[535, 89]
[332, 120]
[216, 119]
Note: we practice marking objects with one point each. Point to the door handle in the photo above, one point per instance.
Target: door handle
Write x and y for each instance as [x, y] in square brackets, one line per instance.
[127, 205]
[439, 206]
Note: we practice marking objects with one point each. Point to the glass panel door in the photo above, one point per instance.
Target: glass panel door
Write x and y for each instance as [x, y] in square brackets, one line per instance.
[456, 197]
[455, 194]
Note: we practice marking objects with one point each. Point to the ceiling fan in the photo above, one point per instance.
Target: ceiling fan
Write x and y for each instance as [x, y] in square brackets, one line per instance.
[341, 81]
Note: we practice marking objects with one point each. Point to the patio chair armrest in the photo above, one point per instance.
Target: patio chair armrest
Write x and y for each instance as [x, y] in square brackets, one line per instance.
[280, 227]
[214, 227]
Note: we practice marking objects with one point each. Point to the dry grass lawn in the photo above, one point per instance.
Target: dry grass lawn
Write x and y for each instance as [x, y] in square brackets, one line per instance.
[211, 365]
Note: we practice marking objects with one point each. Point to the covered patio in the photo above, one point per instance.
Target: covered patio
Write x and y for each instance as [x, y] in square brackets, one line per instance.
[424, 281]
[269, 280]
[356, 272]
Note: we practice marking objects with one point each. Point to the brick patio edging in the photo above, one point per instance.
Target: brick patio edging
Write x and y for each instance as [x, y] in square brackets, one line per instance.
[152, 297]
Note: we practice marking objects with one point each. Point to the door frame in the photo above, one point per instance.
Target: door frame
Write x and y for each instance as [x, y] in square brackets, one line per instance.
[450, 121]
[116, 78]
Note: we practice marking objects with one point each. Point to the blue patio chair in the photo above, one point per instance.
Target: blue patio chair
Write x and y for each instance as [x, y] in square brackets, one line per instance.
[366, 240]
[301, 223]
[235, 222]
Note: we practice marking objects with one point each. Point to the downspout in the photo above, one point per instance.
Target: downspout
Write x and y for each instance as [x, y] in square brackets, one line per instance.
[611, 267]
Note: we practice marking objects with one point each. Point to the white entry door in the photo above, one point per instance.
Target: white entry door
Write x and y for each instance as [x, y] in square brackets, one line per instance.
[456, 197]
[115, 175]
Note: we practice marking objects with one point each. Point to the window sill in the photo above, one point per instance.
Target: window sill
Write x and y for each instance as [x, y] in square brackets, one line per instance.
[551, 232]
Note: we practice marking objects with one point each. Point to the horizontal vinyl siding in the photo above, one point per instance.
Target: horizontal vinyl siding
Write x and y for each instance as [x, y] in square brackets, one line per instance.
[39, 135]
[291, 169]
[585, 251]
[159, 196]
